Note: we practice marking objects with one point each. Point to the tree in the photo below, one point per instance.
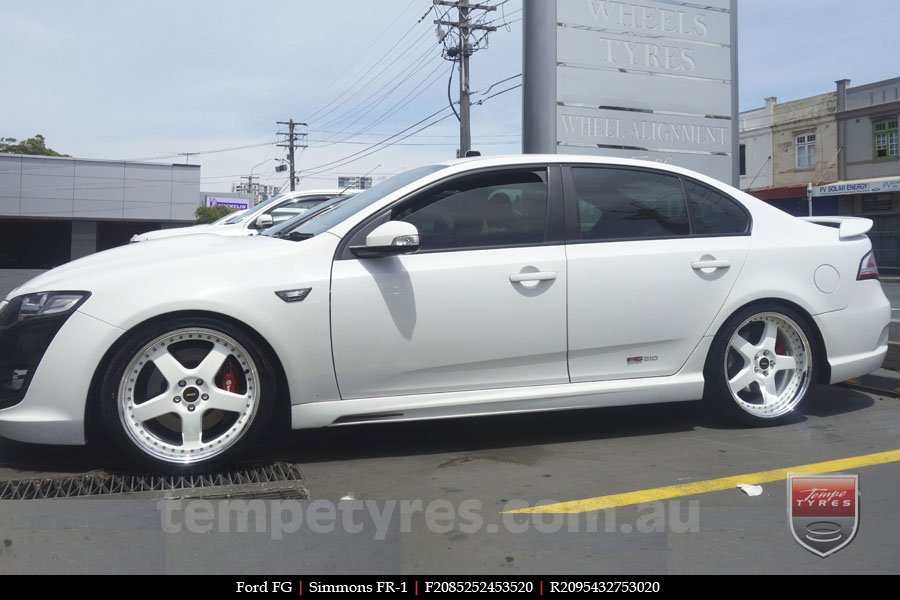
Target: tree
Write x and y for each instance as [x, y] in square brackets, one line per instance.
[33, 146]
[208, 214]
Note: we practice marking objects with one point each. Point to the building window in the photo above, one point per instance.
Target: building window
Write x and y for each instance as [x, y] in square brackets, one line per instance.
[885, 138]
[743, 159]
[805, 144]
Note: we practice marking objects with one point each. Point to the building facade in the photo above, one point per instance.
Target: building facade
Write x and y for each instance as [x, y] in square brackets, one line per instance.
[56, 209]
[831, 154]
[354, 183]
[756, 146]
[869, 162]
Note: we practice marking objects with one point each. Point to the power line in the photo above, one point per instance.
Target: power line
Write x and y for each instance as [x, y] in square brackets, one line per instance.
[385, 146]
[367, 101]
[449, 83]
[386, 143]
[380, 142]
[385, 91]
[365, 54]
[417, 91]
[509, 89]
[198, 153]
[354, 91]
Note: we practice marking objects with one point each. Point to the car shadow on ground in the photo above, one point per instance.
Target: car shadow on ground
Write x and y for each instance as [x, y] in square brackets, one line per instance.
[444, 436]
[533, 429]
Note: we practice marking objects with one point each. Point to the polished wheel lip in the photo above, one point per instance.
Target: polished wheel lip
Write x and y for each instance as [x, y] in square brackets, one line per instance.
[782, 379]
[190, 412]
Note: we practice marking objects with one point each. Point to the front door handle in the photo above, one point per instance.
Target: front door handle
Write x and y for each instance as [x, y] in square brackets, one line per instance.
[537, 276]
[710, 264]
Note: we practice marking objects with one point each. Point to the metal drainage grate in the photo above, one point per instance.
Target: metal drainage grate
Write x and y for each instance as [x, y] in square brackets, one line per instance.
[276, 480]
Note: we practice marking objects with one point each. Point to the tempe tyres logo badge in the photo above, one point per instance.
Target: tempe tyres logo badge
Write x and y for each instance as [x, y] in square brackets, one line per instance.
[823, 511]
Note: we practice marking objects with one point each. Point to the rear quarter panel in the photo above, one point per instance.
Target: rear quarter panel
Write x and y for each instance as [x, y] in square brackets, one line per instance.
[785, 253]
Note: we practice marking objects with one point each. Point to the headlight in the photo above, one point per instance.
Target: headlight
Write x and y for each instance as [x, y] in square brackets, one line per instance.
[42, 304]
[28, 325]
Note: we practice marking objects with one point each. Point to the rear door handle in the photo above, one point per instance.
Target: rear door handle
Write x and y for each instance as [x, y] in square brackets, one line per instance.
[538, 276]
[710, 264]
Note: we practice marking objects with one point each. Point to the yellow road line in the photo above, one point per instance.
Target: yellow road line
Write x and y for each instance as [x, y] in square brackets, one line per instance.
[710, 485]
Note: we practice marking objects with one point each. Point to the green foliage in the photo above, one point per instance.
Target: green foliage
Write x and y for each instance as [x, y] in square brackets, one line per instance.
[33, 146]
[208, 214]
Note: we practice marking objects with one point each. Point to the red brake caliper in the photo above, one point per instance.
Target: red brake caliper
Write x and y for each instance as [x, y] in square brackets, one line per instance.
[228, 378]
[779, 346]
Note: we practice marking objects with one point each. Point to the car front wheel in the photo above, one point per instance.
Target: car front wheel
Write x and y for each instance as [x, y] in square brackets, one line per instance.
[761, 364]
[185, 394]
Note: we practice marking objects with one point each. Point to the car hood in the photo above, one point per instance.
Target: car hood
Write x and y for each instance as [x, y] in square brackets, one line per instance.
[177, 259]
[159, 234]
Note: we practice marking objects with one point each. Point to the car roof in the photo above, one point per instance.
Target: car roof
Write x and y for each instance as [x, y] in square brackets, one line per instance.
[315, 192]
[465, 164]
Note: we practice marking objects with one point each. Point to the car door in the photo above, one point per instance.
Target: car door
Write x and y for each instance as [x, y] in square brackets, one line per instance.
[481, 305]
[645, 279]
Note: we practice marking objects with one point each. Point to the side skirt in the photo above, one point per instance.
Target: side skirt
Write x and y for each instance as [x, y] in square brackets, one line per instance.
[685, 385]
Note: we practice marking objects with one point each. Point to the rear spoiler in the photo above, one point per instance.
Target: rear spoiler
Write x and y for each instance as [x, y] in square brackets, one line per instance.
[848, 227]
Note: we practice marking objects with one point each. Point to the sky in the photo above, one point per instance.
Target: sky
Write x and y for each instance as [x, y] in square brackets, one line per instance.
[205, 81]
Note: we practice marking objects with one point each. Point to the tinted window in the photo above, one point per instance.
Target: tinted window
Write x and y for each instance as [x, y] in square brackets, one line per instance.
[714, 212]
[496, 209]
[361, 201]
[628, 204]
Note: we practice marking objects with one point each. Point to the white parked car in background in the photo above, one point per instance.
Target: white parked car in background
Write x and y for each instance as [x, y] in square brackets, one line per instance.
[254, 219]
[479, 286]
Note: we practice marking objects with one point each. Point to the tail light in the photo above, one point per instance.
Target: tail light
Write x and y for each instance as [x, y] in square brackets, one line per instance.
[868, 269]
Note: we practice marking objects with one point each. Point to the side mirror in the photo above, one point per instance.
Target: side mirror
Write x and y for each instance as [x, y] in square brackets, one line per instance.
[263, 222]
[389, 239]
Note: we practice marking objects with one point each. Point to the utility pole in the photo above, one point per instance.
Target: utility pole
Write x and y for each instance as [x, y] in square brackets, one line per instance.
[250, 187]
[292, 141]
[464, 49]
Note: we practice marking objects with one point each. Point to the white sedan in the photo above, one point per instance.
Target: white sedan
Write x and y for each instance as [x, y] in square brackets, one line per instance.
[253, 220]
[481, 286]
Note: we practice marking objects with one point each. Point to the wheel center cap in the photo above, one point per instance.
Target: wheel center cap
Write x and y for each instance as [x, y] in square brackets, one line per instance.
[191, 394]
[764, 363]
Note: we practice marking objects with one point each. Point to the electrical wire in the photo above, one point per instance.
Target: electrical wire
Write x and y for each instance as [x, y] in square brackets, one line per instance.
[368, 80]
[417, 91]
[383, 144]
[382, 141]
[449, 97]
[367, 56]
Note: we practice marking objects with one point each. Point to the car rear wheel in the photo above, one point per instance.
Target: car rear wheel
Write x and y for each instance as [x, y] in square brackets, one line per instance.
[186, 394]
[761, 365]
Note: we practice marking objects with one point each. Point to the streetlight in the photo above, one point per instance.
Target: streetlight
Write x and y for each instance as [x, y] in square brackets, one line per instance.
[255, 187]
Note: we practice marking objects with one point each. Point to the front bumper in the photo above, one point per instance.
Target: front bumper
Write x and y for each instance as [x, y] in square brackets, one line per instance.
[53, 408]
[856, 338]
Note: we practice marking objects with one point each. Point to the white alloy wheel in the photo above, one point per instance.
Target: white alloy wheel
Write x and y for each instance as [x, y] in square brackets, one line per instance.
[188, 395]
[768, 365]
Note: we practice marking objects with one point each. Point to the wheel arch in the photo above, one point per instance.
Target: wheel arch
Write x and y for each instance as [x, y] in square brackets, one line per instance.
[823, 368]
[280, 418]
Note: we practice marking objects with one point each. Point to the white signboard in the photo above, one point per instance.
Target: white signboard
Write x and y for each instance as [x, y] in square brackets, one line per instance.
[864, 187]
[647, 79]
